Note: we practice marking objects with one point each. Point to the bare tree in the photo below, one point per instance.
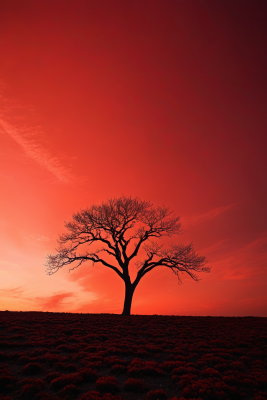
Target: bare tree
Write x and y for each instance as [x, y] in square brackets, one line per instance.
[111, 225]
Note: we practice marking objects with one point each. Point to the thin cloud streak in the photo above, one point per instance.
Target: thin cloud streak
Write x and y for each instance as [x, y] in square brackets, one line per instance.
[2, 262]
[215, 247]
[245, 262]
[208, 215]
[34, 151]
[40, 238]
[55, 301]
[13, 292]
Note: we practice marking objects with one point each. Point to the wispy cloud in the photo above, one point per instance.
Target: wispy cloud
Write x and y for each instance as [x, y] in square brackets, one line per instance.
[62, 301]
[55, 301]
[215, 247]
[208, 215]
[245, 262]
[40, 238]
[26, 138]
[13, 292]
[9, 264]
[106, 305]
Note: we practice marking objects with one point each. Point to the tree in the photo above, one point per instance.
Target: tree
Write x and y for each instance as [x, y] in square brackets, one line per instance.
[111, 225]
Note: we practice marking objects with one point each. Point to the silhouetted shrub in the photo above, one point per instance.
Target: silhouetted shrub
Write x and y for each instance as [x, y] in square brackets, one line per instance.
[91, 349]
[180, 371]
[3, 356]
[136, 362]
[31, 369]
[94, 395]
[59, 366]
[118, 369]
[107, 384]
[94, 364]
[37, 352]
[210, 390]
[26, 381]
[29, 390]
[134, 385]
[23, 360]
[88, 375]
[114, 360]
[225, 356]
[51, 375]
[135, 371]
[184, 380]
[95, 358]
[68, 391]
[70, 368]
[83, 362]
[6, 380]
[259, 362]
[170, 365]
[191, 365]
[67, 349]
[246, 360]
[153, 349]
[152, 364]
[210, 372]
[156, 395]
[11, 345]
[259, 377]
[233, 377]
[15, 329]
[228, 391]
[260, 396]
[54, 358]
[149, 368]
[142, 353]
[181, 358]
[79, 356]
[45, 396]
[15, 356]
[109, 396]
[263, 339]
[151, 371]
[64, 380]
[237, 366]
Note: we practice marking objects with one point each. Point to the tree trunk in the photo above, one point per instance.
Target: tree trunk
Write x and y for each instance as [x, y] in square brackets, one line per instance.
[129, 290]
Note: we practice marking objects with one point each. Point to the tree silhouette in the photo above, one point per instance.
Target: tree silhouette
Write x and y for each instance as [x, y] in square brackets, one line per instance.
[111, 224]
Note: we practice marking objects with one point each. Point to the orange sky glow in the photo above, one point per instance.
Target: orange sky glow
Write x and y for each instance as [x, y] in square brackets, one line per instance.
[165, 101]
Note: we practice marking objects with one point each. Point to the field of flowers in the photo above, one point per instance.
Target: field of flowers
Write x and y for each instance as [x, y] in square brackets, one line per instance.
[57, 356]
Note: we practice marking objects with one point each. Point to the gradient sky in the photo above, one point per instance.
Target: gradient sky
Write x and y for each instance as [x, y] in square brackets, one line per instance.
[165, 101]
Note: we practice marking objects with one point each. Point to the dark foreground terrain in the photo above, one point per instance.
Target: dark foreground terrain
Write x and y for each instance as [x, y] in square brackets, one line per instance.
[113, 357]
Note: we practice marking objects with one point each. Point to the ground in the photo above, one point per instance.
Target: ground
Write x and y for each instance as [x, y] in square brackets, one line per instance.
[114, 357]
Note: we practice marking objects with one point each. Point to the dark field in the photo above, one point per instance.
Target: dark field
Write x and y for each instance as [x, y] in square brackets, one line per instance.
[113, 357]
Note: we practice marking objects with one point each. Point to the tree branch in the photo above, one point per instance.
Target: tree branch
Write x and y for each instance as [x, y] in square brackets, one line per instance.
[179, 258]
[67, 256]
[108, 223]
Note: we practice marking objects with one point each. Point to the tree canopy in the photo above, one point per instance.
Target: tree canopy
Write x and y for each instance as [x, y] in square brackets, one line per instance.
[121, 227]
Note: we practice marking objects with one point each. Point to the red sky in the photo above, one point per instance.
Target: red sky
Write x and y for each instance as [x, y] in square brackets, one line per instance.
[165, 101]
